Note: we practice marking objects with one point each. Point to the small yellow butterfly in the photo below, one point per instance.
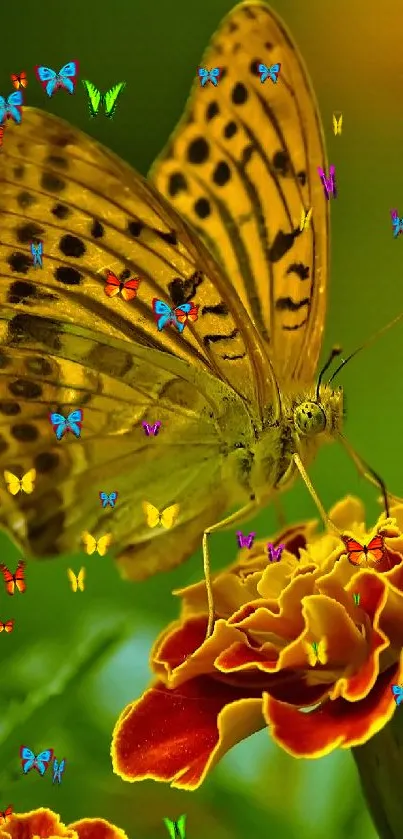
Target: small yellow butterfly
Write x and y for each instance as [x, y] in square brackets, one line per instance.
[76, 582]
[100, 545]
[337, 123]
[317, 652]
[167, 517]
[26, 483]
[305, 219]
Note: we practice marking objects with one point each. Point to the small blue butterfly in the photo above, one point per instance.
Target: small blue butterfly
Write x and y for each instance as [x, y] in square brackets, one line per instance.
[108, 499]
[51, 81]
[31, 761]
[269, 72]
[37, 253]
[212, 76]
[397, 225]
[178, 316]
[62, 424]
[397, 691]
[11, 108]
[58, 769]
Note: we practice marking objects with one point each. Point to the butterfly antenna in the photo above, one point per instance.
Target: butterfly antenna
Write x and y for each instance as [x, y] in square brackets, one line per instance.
[367, 344]
[334, 353]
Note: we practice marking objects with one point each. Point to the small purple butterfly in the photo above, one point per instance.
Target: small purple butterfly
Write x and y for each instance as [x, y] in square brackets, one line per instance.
[151, 430]
[245, 541]
[274, 553]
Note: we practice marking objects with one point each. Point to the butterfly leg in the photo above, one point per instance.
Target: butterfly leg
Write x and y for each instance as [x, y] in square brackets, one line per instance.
[369, 474]
[306, 479]
[235, 518]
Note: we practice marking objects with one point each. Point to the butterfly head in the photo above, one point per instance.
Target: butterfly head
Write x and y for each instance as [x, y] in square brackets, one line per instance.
[322, 415]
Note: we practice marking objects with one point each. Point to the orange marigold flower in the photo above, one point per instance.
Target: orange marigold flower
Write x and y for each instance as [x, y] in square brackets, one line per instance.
[44, 824]
[309, 646]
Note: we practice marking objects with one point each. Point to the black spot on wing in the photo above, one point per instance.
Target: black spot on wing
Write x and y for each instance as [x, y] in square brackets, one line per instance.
[287, 304]
[25, 199]
[214, 339]
[302, 271]
[182, 291]
[28, 231]
[177, 183]
[170, 238]
[20, 263]
[217, 309]
[283, 242]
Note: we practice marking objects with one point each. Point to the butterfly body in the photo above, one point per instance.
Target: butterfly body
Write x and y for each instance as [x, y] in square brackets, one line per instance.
[108, 499]
[215, 238]
[368, 554]
[211, 76]
[127, 289]
[176, 827]
[151, 430]
[39, 762]
[269, 72]
[19, 79]
[11, 108]
[337, 123]
[8, 626]
[37, 254]
[14, 581]
[58, 769]
[77, 581]
[61, 424]
[274, 553]
[93, 545]
[179, 316]
[245, 541]
[51, 81]
[109, 99]
[24, 484]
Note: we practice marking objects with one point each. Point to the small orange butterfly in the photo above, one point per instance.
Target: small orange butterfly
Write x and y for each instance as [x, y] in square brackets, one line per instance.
[16, 580]
[8, 626]
[369, 554]
[127, 289]
[19, 79]
[5, 814]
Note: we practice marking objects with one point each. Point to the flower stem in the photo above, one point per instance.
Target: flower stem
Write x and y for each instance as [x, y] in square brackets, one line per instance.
[379, 764]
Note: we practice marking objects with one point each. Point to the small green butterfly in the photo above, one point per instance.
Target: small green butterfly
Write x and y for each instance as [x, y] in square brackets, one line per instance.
[108, 99]
[176, 829]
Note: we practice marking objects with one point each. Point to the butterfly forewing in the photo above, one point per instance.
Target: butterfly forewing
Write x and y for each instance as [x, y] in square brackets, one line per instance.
[241, 168]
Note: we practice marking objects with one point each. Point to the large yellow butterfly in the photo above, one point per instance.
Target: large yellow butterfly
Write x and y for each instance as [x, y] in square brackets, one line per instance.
[77, 582]
[166, 517]
[100, 545]
[237, 391]
[26, 483]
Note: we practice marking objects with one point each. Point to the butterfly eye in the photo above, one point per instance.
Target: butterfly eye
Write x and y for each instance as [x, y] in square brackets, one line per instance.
[309, 418]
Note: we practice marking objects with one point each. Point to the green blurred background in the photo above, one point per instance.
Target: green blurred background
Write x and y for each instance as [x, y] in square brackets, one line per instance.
[72, 663]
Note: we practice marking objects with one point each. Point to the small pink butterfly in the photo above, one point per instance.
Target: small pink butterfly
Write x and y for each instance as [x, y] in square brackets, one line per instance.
[274, 553]
[245, 541]
[151, 430]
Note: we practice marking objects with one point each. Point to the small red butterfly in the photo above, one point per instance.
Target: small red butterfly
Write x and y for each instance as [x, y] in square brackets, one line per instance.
[127, 289]
[19, 79]
[1, 134]
[8, 626]
[5, 814]
[370, 554]
[16, 580]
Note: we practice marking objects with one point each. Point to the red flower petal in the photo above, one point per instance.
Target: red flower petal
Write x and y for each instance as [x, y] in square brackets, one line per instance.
[97, 829]
[178, 735]
[37, 824]
[336, 724]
